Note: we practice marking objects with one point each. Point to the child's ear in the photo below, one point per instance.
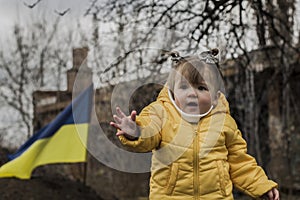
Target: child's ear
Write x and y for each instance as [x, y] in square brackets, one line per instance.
[215, 101]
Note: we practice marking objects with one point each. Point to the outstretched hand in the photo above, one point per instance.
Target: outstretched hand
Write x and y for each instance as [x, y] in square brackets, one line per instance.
[125, 124]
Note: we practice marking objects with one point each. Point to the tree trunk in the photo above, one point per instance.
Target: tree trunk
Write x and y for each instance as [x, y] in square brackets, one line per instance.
[276, 135]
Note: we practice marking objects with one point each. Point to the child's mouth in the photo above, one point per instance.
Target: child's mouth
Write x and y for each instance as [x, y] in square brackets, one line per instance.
[192, 104]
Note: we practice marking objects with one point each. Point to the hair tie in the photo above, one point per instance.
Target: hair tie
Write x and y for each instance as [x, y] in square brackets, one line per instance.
[173, 54]
[209, 56]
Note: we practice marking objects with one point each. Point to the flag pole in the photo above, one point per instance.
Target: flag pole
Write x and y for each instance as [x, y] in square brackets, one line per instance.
[85, 165]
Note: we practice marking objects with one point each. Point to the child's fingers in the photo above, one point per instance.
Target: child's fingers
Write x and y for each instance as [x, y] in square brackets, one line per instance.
[113, 124]
[120, 133]
[276, 194]
[273, 194]
[133, 115]
[117, 119]
[120, 113]
[270, 195]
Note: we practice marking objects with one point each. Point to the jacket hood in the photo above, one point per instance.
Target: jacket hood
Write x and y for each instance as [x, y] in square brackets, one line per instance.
[222, 105]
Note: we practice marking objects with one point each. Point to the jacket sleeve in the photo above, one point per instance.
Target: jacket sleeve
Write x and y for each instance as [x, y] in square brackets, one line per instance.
[245, 174]
[150, 122]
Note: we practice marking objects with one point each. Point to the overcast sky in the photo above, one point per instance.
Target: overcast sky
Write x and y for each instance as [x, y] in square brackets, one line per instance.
[15, 11]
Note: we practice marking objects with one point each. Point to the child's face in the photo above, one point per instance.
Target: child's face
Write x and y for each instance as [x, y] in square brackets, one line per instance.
[191, 99]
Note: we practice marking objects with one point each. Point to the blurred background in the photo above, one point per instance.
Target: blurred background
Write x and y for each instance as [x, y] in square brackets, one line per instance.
[45, 45]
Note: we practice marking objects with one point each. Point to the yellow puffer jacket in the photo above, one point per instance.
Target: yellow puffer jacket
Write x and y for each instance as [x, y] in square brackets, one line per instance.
[196, 161]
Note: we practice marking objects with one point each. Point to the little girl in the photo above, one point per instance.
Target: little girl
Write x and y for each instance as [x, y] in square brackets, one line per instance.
[198, 150]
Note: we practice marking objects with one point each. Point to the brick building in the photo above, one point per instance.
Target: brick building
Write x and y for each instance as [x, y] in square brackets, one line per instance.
[47, 104]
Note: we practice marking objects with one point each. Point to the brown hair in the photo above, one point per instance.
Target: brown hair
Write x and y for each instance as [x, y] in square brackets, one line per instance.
[196, 69]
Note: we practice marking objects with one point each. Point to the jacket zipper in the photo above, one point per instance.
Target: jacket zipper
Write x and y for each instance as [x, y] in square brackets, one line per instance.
[196, 165]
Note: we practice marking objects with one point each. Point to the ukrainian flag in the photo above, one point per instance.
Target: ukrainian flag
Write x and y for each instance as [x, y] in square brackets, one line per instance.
[63, 140]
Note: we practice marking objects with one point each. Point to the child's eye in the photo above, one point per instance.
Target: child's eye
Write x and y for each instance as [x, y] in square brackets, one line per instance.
[183, 86]
[201, 88]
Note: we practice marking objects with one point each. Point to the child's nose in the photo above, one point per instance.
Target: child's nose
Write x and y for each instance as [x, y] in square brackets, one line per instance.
[192, 92]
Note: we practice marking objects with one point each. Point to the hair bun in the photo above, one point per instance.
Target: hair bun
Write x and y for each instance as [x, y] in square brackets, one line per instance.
[175, 56]
[214, 51]
[209, 56]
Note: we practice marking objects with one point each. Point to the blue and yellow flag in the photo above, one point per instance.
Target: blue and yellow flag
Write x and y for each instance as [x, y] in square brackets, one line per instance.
[63, 140]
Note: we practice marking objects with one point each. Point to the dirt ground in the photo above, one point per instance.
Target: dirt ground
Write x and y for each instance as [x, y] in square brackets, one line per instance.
[59, 188]
[45, 187]
[48, 186]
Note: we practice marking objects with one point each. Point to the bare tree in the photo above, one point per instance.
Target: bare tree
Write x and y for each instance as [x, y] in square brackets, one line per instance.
[241, 27]
[32, 60]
